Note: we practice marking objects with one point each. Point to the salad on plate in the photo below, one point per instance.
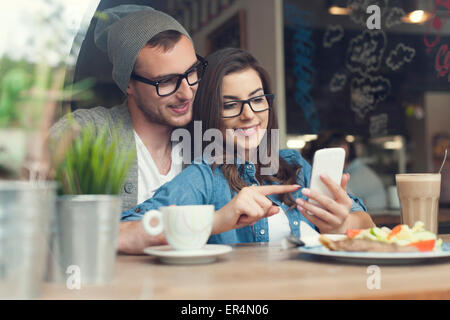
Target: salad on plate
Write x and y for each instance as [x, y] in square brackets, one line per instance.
[401, 238]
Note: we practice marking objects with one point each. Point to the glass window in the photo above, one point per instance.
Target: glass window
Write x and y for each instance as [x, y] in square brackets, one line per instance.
[379, 73]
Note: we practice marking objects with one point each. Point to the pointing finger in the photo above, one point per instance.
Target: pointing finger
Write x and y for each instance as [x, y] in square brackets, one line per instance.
[277, 189]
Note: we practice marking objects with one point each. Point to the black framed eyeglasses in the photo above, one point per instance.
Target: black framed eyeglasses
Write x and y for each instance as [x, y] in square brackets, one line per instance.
[168, 85]
[260, 103]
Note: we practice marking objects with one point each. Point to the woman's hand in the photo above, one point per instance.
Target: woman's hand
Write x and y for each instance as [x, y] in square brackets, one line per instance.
[333, 217]
[248, 206]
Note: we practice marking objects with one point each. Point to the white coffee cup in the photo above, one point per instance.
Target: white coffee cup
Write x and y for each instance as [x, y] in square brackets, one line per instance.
[185, 227]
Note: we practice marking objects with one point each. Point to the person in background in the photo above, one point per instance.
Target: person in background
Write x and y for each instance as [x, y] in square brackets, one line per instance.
[156, 67]
[251, 204]
[364, 182]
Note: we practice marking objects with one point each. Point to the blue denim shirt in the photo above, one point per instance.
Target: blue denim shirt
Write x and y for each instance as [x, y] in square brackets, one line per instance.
[199, 184]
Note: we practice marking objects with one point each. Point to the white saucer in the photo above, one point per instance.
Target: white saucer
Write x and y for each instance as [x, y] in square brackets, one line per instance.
[207, 254]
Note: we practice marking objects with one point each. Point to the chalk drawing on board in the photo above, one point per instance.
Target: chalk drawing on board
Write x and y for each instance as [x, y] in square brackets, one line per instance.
[367, 92]
[358, 13]
[338, 82]
[295, 17]
[333, 34]
[378, 125]
[365, 52]
[303, 70]
[394, 17]
[400, 56]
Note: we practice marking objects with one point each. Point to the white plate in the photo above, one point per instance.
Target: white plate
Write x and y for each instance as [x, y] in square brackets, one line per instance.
[335, 237]
[207, 254]
[379, 257]
[313, 239]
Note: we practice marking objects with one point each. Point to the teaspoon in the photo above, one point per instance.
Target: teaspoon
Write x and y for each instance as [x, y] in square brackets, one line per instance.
[443, 162]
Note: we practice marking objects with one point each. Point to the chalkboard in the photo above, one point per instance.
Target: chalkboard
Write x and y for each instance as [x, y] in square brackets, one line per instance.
[340, 75]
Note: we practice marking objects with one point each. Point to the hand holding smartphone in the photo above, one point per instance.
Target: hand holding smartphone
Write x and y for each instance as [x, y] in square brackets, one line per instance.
[328, 161]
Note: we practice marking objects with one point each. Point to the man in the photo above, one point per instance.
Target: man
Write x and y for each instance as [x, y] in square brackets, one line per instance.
[155, 65]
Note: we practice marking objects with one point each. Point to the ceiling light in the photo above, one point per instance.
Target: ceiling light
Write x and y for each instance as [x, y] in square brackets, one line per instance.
[295, 144]
[350, 138]
[417, 16]
[395, 144]
[335, 10]
[308, 137]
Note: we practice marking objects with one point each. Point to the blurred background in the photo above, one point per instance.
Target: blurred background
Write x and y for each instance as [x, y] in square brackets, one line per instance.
[386, 91]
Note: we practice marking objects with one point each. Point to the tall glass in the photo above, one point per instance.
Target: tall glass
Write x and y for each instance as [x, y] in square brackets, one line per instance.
[419, 198]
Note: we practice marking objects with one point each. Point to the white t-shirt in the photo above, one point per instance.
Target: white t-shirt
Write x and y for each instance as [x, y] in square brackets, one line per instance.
[149, 178]
[278, 227]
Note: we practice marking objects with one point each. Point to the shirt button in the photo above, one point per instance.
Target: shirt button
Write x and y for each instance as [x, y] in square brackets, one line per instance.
[137, 210]
[262, 231]
[129, 187]
[295, 223]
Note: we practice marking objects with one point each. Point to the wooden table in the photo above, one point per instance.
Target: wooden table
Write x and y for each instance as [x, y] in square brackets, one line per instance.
[260, 271]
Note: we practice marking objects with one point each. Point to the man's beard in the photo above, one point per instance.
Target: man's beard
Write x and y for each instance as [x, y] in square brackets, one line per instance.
[159, 119]
[152, 117]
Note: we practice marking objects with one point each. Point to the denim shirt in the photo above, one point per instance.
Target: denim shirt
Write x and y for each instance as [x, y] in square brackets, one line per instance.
[199, 184]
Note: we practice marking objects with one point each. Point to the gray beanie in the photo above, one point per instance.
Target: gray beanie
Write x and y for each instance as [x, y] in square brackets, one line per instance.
[123, 31]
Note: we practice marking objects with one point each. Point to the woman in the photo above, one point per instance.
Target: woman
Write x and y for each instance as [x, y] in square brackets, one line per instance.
[234, 96]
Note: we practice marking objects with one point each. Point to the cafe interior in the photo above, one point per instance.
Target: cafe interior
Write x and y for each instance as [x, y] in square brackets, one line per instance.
[306, 51]
[381, 83]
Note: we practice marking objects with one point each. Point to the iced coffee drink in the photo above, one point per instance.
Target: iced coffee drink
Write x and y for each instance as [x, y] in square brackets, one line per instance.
[419, 198]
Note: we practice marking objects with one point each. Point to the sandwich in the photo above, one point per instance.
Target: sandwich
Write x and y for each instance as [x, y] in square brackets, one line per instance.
[401, 238]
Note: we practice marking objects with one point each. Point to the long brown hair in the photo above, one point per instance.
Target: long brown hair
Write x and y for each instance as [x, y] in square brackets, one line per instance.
[208, 106]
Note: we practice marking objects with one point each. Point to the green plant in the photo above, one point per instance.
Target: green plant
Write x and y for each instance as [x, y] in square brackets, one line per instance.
[13, 87]
[29, 96]
[25, 96]
[93, 165]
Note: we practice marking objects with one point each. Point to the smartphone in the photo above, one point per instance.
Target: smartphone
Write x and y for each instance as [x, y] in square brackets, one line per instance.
[329, 161]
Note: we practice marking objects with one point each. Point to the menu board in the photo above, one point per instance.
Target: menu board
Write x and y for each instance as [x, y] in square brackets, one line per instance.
[343, 75]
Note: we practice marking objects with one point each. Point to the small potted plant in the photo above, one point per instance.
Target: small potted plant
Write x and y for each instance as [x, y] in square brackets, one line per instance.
[90, 168]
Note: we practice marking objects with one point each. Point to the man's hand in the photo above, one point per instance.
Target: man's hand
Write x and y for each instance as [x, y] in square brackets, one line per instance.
[248, 206]
[133, 238]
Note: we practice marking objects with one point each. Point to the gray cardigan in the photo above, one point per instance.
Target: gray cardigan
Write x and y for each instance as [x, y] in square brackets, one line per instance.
[117, 117]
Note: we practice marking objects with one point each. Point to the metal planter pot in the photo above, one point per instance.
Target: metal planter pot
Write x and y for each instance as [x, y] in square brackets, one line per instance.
[25, 212]
[84, 239]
